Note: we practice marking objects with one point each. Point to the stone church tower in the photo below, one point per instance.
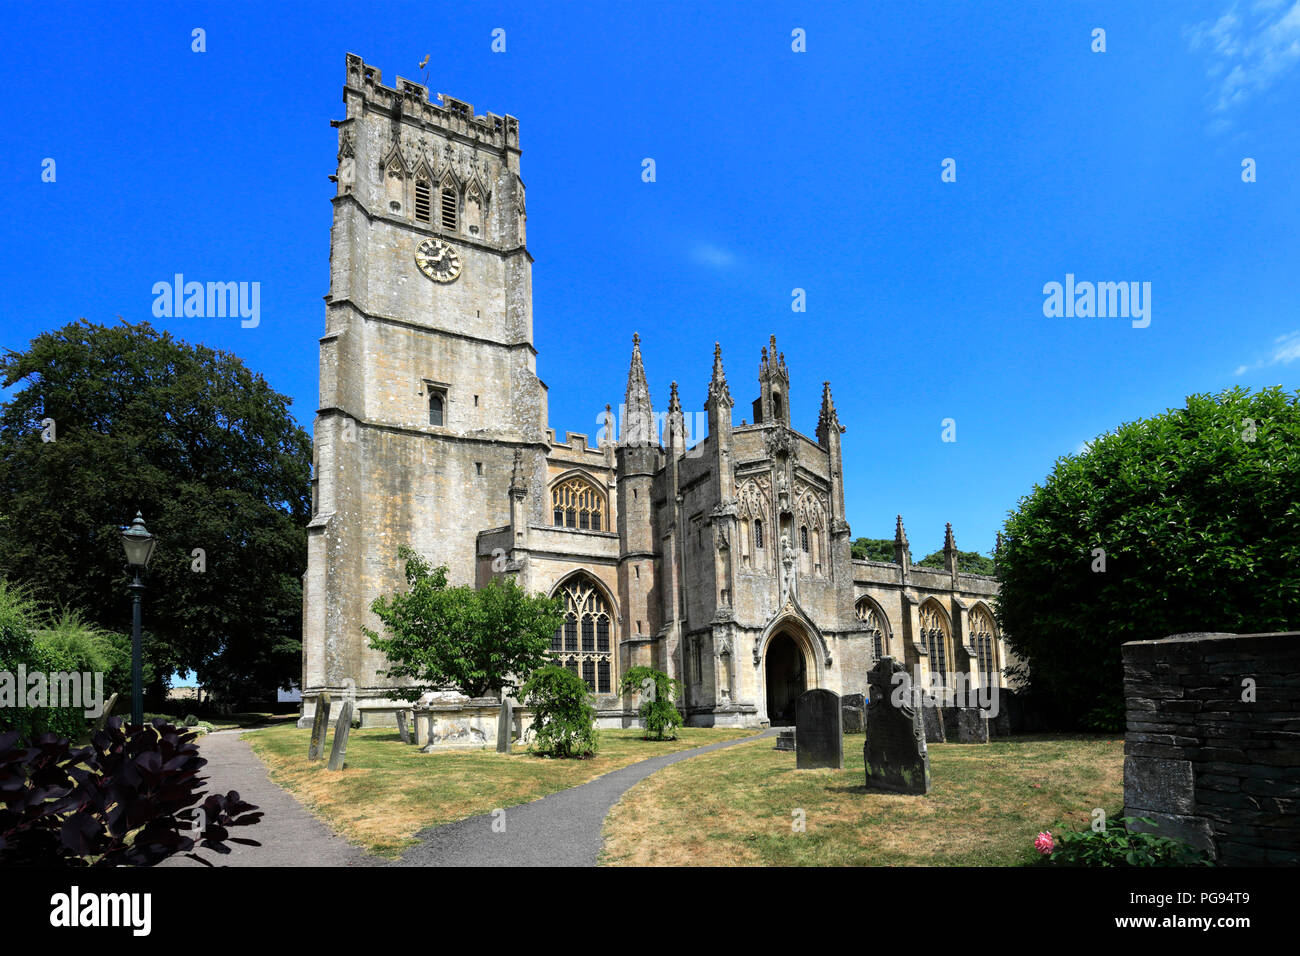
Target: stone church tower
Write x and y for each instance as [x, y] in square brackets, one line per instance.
[722, 559]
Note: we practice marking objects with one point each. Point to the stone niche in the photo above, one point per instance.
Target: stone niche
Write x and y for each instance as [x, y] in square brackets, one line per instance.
[448, 720]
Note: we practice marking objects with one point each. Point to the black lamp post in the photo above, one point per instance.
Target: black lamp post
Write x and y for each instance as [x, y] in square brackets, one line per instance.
[138, 544]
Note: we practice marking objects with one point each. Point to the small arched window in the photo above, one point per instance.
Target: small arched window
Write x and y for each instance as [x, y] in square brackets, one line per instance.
[982, 636]
[934, 638]
[437, 407]
[576, 503]
[870, 615]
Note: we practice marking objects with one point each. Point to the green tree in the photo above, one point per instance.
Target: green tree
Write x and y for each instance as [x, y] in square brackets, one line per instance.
[1189, 521]
[211, 456]
[564, 718]
[480, 640]
[658, 691]
[968, 562]
[872, 549]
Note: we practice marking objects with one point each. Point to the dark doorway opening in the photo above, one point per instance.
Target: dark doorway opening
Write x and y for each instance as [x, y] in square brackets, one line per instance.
[785, 675]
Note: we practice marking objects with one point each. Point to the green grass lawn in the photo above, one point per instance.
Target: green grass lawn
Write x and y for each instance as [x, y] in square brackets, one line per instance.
[390, 791]
[986, 804]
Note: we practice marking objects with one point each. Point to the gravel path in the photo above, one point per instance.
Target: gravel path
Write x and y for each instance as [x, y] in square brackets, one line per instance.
[560, 830]
[289, 834]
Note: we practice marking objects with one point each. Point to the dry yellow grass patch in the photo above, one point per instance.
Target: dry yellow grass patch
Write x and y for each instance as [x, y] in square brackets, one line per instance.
[738, 807]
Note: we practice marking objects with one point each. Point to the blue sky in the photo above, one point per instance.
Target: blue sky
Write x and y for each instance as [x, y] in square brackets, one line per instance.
[776, 170]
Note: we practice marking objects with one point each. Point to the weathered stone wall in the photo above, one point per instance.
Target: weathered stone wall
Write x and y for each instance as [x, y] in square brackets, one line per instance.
[1212, 750]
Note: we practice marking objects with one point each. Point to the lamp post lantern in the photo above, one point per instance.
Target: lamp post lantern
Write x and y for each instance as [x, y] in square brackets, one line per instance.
[138, 544]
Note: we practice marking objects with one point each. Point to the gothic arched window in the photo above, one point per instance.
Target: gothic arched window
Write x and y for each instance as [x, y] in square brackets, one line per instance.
[582, 644]
[437, 407]
[575, 503]
[983, 636]
[870, 614]
[934, 638]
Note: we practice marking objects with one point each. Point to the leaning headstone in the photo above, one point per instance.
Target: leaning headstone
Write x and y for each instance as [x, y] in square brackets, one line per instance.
[102, 721]
[339, 751]
[972, 726]
[505, 726]
[785, 739]
[320, 727]
[818, 733]
[402, 730]
[853, 708]
[895, 754]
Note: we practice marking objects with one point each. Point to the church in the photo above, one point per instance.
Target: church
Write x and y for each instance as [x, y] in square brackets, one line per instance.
[722, 559]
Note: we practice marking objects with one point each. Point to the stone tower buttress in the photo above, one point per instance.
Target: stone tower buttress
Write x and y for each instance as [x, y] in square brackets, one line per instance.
[637, 458]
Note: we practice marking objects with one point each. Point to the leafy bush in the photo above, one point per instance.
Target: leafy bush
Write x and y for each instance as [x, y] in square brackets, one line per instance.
[93, 649]
[116, 802]
[1195, 511]
[473, 639]
[564, 719]
[1117, 845]
[20, 616]
[658, 691]
[190, 721]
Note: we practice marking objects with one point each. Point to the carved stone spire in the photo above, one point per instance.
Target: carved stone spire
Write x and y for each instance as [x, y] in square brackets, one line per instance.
[949, 542]
[518, 482]
[719, 393]
[676, 422]
[638, 417]
[828, 419]
[902, 551]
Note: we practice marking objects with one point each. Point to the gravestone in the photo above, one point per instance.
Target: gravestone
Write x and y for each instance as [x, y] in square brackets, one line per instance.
[339, 751]
[402, 730]
[785, 739]
[931, 720]
[818, 730]
[320, 726]
[505, 726]
[853, 709]
[102, 720]
[950, 729]
[972, 726]
[895, 753]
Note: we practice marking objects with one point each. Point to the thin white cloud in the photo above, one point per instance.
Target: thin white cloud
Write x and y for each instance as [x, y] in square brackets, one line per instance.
[1247, 51]
[1286, 349]
[715, 257]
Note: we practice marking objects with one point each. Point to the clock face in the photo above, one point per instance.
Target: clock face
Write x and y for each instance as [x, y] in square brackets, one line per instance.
[438, 260]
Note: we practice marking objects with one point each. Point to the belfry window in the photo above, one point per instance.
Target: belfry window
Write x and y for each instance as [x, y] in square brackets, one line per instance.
[448, 206]
[587, 614]
[758, 535]
[437, 407]
[423, 201]
[576, 503]
[803, 539]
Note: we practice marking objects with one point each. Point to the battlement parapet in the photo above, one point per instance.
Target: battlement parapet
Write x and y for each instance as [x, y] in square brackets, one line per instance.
[412, 99]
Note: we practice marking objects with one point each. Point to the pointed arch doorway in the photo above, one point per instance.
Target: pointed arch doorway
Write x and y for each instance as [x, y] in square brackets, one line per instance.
[786, 677]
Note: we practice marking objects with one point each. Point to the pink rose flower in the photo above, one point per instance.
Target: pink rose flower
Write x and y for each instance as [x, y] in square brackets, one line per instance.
[1044, 844]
